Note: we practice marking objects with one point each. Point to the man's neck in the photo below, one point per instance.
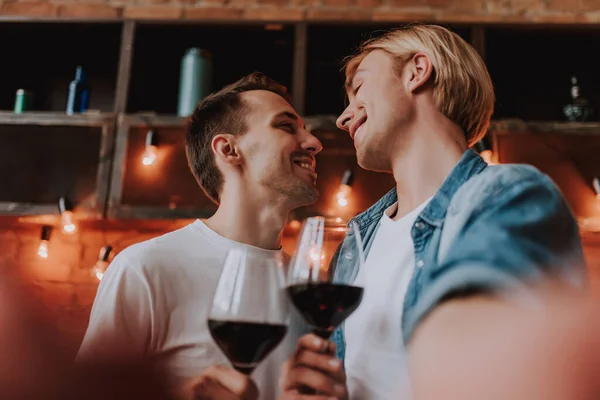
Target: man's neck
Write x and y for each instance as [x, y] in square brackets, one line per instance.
[250, 221]
[421, 168]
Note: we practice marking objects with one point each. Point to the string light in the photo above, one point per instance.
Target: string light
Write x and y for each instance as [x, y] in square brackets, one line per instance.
[43, 249]
[151, 150]
[66, 216]
[101, 265]
[484, 149]
[596, 185]
[345, 188]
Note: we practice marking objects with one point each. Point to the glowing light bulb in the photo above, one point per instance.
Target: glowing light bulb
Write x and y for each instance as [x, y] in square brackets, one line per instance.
[151, 151]
[68, 226]
[149, 155]
[345, 189]
[99, 268]
[101, 265]
[484, 148]
[342, 195]
[43, 248]
[295, 224]
[487, 156]
[66, 216]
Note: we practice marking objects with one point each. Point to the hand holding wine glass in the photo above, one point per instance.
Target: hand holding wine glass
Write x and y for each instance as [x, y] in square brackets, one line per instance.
[320, 289]
[249, 314]
[316, 282]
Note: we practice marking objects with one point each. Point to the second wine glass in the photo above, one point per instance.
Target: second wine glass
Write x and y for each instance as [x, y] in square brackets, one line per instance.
[326, 252]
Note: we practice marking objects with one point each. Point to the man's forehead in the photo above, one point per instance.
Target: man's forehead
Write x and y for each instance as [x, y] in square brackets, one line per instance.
[269, 104]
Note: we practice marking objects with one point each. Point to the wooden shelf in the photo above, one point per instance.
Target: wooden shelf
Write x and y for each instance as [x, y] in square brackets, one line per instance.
[46, 118]
[512, 126]
[158, 213]
[153, 120]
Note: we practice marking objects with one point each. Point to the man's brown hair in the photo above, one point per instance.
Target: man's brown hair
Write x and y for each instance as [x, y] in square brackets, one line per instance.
[221, 112]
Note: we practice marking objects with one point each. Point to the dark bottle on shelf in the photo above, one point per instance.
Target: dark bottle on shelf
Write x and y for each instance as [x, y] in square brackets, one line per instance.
[579, 109]
[77, 101]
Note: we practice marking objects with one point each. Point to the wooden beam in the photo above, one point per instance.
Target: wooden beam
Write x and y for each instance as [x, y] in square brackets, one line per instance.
[129, 212]
[49, 118]
[119, 160]
[105, 160]
[299, 68]
[478, 39]
[125, 60]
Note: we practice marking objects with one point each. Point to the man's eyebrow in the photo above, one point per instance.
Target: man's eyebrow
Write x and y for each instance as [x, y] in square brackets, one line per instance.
[350, 81]
[286, 114]
[289, 115]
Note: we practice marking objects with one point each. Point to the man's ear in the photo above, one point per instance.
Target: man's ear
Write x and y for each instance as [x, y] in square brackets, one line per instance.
[418, 71]
[224, 146]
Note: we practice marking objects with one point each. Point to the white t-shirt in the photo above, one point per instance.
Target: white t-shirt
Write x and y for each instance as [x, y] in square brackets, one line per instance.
[155, 298]
[376, 364]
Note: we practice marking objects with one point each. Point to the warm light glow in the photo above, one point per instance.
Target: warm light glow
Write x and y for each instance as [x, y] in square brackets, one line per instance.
[149, 155]
[342, 195]
[68, 225]
[338, 219]
[295, 224]
[43, 249]
[99, 269]
[488, 156]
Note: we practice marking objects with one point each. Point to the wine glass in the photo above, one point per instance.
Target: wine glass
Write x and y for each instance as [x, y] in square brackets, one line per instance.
[327, 250]
[249, 315]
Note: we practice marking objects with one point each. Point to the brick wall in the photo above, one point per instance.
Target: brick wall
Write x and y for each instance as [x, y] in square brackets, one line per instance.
[66, 287]
[542, 11]
[63, 281]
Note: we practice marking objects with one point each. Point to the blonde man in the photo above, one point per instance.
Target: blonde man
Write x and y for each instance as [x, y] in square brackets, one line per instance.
[453, 232]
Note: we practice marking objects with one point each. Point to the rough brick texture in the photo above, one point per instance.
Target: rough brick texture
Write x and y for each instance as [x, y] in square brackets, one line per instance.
[63, 280]
[471, 11]
[64, 283]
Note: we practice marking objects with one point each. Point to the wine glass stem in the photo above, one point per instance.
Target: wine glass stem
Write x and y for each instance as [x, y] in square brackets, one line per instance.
[244, 370]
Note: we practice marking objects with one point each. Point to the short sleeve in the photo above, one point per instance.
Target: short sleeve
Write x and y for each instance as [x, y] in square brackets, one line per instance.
[122, 314]
[522, 236]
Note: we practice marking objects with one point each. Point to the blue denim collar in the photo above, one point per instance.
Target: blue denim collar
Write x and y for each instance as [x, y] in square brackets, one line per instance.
[469, 165]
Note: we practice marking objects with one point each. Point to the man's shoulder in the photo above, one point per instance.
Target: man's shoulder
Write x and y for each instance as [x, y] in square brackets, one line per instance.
[503, 176]
[503, 180]
[151, 253]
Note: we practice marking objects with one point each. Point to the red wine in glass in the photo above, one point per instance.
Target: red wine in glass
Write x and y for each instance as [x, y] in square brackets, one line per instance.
[249, 314]
[324, 306]
[314, 288]
[246, 344]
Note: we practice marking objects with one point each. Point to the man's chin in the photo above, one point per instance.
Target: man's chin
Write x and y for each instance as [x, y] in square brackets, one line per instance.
[308, 195]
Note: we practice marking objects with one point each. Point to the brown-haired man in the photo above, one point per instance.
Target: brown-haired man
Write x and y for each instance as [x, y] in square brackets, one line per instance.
[250, 153]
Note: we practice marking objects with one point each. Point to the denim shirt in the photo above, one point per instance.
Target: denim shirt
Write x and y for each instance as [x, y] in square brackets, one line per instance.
[488, 228]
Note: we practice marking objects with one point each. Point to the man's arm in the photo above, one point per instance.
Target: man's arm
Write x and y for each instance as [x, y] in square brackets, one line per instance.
[521, 234]
[481, 348]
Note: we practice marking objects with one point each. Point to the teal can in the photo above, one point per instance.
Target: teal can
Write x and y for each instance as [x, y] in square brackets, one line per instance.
[22, 101]
[195, 80]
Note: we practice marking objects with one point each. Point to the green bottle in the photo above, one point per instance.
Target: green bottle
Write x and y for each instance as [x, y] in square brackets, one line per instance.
[195, 80]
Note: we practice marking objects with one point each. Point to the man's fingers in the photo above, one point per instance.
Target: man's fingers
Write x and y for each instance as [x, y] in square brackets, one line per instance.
[297, 396]
[324, 362]
[209, 389]
[314, 343]
[316, 380]
[234, 381]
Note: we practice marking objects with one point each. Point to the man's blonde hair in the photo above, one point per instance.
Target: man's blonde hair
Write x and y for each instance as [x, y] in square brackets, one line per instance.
[462, 87]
